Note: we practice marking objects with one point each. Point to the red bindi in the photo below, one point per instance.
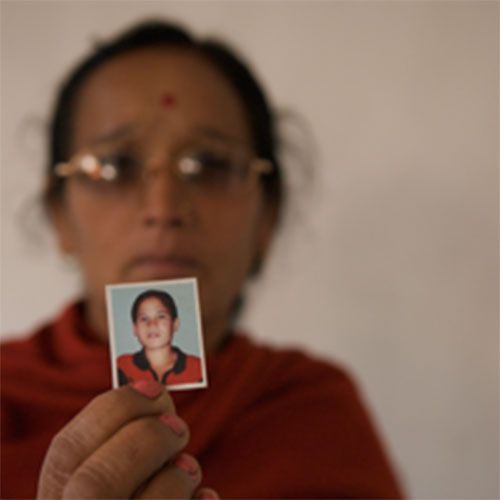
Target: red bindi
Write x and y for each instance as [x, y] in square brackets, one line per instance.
[167, 100]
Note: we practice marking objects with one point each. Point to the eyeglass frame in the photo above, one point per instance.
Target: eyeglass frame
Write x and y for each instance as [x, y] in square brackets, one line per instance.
[87, 162]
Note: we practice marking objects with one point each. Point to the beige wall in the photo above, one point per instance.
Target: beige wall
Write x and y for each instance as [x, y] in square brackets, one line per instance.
[389, 264]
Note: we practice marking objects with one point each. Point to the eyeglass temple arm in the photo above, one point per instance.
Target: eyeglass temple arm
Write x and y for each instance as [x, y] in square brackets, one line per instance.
[262, 166]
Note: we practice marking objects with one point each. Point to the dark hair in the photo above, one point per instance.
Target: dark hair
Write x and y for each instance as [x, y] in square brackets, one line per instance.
[165, 298]
[159, 33]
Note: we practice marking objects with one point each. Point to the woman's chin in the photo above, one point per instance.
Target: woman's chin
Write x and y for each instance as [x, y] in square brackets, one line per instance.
[157, 275]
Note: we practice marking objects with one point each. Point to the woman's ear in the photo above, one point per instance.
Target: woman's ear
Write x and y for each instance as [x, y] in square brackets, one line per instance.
[266, 230]
[59, 219]
[62, 227]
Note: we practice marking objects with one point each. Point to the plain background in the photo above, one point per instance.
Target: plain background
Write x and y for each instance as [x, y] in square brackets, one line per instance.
[388, 261]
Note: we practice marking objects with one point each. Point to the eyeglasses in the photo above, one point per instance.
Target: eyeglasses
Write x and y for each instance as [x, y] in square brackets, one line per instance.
[209, 165]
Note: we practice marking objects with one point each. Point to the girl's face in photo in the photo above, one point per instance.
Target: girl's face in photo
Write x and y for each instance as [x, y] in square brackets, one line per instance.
[153, 104]
[154, 326]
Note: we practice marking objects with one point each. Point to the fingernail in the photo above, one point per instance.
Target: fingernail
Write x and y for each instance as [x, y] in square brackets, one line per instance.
[149, 388]
[209, 495]
[174, 422]
[189, 464]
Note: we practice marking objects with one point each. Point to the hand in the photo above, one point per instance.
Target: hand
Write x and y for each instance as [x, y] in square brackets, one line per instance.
[126, 443]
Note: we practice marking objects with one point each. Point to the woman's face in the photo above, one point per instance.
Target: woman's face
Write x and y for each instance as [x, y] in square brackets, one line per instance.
[154, 327]
[163, 230]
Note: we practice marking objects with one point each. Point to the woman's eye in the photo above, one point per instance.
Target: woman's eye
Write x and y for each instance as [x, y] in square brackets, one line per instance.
[205, 166]
[212, 161]
[119, 167]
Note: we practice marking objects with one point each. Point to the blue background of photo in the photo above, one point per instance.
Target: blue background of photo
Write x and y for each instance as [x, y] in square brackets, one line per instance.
[186, 337]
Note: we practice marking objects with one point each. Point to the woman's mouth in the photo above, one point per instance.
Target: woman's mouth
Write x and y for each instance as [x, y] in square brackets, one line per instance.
[162, 267]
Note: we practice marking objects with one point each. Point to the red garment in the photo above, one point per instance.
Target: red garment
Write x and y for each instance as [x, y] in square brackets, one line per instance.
[272, 424]
[133, 367]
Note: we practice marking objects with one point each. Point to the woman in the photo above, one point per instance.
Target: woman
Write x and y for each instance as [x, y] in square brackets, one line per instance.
[163, 165]
[155, 320]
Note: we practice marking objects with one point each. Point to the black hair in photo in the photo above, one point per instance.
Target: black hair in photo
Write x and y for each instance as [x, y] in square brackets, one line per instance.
[165, 298]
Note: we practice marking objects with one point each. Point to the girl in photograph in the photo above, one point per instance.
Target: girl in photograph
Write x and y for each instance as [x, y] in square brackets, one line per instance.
[155, 320]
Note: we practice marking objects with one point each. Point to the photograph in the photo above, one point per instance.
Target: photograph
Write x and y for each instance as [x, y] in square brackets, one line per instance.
[155, 334]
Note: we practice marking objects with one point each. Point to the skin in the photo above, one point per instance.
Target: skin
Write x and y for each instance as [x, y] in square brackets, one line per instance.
[215, 240]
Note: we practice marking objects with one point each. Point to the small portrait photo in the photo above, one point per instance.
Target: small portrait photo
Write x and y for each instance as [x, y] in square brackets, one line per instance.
[155, 333]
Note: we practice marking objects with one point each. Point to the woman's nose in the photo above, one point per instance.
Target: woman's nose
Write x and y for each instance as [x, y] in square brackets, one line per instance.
[165, 201]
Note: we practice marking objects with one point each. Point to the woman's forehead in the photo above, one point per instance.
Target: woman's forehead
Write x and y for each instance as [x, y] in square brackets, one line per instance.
[179, 86]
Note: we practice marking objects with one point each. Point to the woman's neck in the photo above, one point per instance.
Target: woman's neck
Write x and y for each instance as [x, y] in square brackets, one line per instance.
[95, 316]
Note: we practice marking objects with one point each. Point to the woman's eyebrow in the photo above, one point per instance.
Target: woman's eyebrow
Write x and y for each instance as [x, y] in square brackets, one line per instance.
[217, 134]
[203, 130]
[113, 134]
